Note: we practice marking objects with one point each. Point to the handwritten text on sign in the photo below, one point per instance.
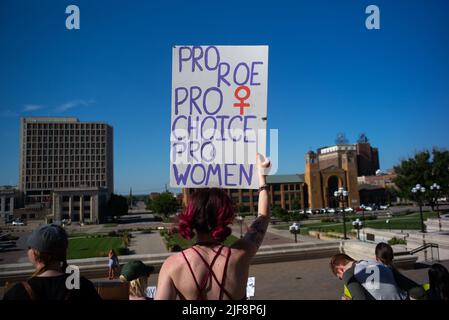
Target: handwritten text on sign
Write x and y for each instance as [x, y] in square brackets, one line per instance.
[218, 123]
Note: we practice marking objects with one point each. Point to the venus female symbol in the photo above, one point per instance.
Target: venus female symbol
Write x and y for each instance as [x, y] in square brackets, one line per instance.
[242, 104]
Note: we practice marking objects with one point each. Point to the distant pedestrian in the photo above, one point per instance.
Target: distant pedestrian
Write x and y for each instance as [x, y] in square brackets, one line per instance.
[136, 273]
[113, 264]
[438, 282]
[47, 251]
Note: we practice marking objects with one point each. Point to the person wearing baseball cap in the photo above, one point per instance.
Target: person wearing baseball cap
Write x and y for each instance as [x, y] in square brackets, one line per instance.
[136, 273]
[47, 252]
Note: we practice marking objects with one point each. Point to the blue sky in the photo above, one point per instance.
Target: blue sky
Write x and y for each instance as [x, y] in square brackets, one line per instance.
[327, 73]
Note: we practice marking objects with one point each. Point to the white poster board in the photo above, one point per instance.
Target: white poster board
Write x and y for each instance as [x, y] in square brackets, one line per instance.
[218, 115]
[251, 287]
[151, 292]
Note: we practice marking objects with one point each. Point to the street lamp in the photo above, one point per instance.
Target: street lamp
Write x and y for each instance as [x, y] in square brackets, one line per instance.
[419, 191]
[388, 224]
[435, 188]
[294, 228]
[240, 221]
[357, 224]
[341, 194]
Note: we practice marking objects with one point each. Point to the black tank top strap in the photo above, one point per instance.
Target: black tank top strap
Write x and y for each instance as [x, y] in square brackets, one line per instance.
[200, 296]
[223, 279]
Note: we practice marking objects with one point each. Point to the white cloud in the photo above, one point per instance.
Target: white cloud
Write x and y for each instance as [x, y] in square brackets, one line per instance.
[73, 104]
[32, 107]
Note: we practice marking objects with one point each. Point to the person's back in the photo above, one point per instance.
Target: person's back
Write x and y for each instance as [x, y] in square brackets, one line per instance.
[377, 279]
[438, 282]
[51, 288]
[47, 252]
[210, 270]
[224, 277]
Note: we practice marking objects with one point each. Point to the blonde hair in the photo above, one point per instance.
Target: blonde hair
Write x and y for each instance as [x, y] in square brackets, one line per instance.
[137, 287]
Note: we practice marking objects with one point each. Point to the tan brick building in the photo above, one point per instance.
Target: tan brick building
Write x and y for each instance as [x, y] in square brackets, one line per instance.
[62, 157]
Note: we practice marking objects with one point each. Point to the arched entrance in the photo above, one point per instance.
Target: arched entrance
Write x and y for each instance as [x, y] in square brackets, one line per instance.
[332, 186]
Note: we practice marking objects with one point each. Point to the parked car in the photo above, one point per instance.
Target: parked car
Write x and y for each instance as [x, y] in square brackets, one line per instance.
[349, 210]
[18, 223]
[309, 211]
[368, 208]
[385, 207]
[331, 210]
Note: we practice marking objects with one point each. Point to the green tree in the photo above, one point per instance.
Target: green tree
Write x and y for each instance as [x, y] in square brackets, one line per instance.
[425, 167]
[117, 205]
[148, 204]
[296, 205]
[165, 203]
[280, 213]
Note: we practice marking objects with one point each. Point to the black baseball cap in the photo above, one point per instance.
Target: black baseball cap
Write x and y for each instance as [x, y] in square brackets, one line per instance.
[135, 269]
[48, 238]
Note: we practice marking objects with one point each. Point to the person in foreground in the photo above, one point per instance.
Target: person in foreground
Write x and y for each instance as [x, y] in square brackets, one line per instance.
[136, 274]
[47, 251]
[366, 280]
[209, 270]
[385, 255]
[438, 282]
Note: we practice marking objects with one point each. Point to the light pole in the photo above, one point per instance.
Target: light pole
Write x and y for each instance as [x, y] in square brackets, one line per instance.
[341, 194]
[240, 221]
[435, 188]
[419, 191]
[357, 224]
[294, 228]
[388, 224]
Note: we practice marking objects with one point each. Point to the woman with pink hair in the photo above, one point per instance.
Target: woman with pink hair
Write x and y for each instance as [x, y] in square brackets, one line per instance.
[209, 270]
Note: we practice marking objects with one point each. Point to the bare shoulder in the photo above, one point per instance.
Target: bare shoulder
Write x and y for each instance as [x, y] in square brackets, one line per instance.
[173, 262]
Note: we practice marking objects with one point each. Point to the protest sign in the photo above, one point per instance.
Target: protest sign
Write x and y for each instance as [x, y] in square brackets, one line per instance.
[218, 119]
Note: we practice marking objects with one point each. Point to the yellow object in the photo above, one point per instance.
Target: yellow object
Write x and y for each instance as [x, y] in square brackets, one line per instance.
[347, 293]
[426, 286]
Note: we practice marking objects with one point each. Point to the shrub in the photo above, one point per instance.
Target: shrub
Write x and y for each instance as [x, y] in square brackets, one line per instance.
[395, 240]
[113, 233]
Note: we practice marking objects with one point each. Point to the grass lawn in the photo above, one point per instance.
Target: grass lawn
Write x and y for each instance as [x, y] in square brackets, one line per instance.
[183, 243]
[408, 222]
[81, 248]
[111, 225]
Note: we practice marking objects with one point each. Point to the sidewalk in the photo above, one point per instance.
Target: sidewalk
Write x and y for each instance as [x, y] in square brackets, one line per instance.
[147, 243]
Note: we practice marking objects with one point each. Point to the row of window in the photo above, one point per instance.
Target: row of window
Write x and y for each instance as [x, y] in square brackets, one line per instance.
[82, 177]
[75, 146]
[75, 198]
[66, 158]
[67, 164]
[80, 138]
[66, 184]
[66, 126]
[39, 172]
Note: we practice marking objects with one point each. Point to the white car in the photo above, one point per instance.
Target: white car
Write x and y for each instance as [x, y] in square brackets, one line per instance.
[309, 211]
[18, 223]
[349, 210]
[331, 210]
[368, 209]
[383, 207]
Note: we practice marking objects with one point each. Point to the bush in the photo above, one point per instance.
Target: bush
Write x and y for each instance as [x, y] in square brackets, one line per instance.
[280, 213]
[395, 240]
[296, 216]
[113, 233]
[122, 251]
